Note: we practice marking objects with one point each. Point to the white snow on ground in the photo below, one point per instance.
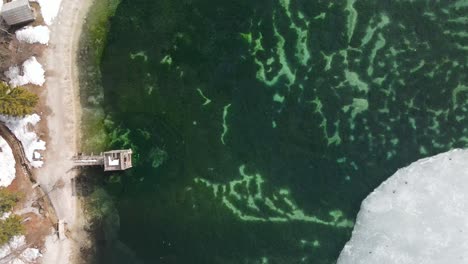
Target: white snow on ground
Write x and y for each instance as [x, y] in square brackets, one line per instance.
[38, 34]
[15, 242]
[419, 215]
[1, 4]
[5, 215]
[21, 128]
[7, 164]
[31, 254]
[18, 243]
[32, 73]
[49, 9]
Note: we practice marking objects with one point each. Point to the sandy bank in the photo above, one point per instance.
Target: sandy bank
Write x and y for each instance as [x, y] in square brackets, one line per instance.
[62, 98]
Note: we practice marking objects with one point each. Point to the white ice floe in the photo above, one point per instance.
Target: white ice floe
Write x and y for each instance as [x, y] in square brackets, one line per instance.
[38, 34]
[18, 245]
[32, 73]
[21, 128]
[7, 164]
[419, 215]
[49, 9]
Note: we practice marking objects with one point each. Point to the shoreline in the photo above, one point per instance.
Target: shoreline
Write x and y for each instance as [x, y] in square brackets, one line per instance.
[61, 97]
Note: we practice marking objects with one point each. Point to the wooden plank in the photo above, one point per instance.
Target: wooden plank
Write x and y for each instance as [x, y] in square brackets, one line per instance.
[61, 230]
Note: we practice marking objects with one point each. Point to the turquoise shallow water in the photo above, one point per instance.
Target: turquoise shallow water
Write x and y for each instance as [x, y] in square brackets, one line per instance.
[259, 126]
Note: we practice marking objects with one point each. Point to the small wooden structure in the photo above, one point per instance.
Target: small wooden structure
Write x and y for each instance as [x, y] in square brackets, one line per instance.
[115, 160]
[61, 229]
[17, 12]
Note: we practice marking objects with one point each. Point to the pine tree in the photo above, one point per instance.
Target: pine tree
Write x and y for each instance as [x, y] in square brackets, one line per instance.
[11, 226]
[8, 199]
[16, 101]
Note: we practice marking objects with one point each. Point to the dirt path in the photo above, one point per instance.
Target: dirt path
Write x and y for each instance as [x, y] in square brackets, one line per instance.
[63, 124]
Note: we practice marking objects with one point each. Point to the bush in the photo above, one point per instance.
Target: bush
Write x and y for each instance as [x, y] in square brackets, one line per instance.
[16, 101]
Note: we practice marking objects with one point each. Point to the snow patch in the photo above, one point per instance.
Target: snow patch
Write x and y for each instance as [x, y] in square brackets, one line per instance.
[14, 243]
[31, 142]
[49, 9]
[7, 164]
[32, 73]
[17, 243]
[418, 215]
[31, 254]
[5, 215]
[38, 34]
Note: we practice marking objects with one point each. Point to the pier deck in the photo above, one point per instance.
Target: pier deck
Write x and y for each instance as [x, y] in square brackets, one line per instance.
[115, 160]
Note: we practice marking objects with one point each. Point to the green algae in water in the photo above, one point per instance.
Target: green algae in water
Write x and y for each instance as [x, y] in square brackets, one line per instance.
[268, 122]
[91, 46]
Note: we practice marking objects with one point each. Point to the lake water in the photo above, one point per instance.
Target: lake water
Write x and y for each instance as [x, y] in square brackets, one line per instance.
[260, 126]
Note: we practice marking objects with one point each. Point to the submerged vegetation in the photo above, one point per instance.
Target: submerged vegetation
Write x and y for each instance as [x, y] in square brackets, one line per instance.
[99, 205]
[92, 43]
[16, 101]
[252, 120]
[98, 26]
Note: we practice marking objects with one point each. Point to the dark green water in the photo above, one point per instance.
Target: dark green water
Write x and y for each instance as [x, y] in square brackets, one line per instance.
[260, 126]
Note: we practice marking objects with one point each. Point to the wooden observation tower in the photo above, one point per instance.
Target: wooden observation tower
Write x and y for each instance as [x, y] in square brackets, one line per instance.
[115, 160]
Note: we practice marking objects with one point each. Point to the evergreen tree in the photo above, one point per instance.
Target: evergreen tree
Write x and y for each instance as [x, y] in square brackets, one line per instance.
[16, 101]
[8, 199]
[11, 226]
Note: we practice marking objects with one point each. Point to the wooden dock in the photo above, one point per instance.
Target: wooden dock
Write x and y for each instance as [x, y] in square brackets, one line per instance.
[115, 160]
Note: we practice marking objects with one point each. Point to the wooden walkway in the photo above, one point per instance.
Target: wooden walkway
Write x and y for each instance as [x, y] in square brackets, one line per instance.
[88, 160]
